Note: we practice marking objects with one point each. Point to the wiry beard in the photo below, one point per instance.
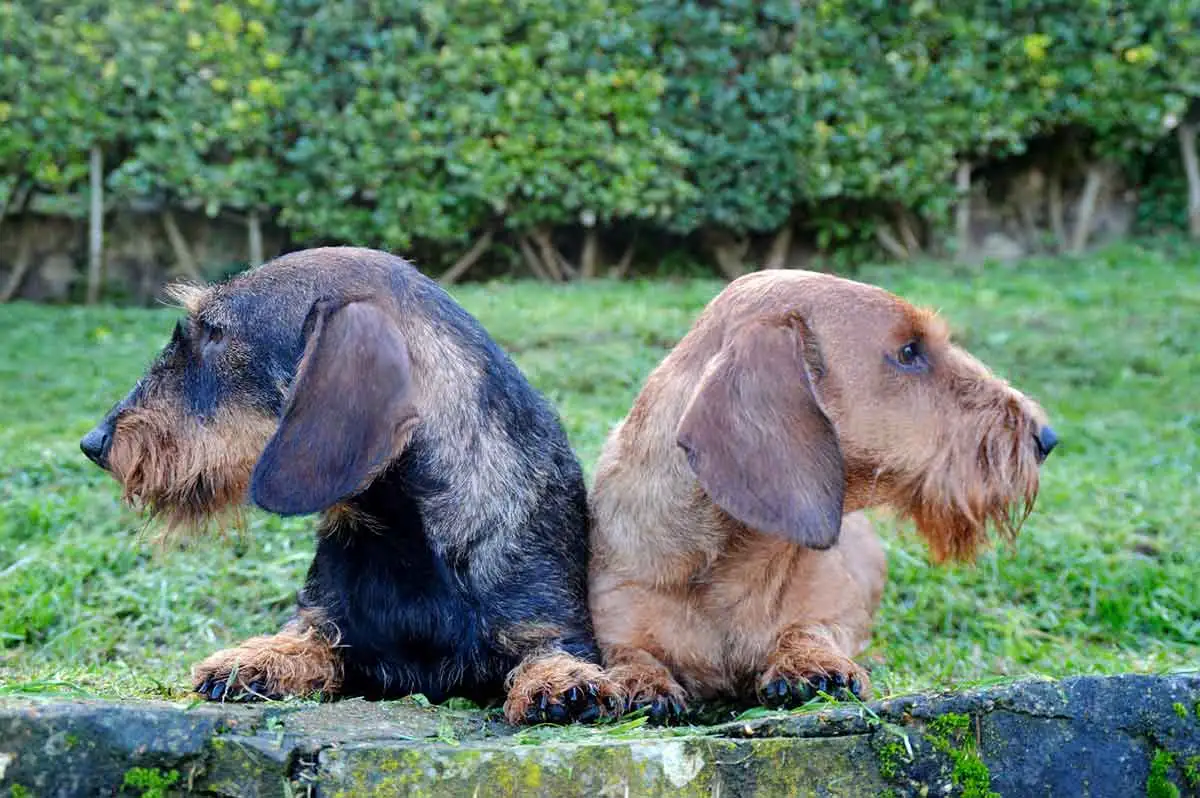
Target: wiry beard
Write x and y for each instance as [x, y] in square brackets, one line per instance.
[188, 475]
[976, 483]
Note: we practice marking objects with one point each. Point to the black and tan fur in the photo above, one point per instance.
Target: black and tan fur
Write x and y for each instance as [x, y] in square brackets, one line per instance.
[452, 555]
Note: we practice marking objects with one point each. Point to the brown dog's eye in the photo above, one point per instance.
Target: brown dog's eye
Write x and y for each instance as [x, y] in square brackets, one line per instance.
[910, 357]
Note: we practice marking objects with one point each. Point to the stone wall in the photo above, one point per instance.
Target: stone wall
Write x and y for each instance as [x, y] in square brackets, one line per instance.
[1090, 736]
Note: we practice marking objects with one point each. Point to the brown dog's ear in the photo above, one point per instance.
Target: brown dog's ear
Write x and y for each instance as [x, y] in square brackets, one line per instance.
[349, 413]
[759, 443]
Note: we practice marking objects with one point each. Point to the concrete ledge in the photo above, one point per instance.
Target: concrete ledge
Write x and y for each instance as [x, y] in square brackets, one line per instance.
[1096, 736]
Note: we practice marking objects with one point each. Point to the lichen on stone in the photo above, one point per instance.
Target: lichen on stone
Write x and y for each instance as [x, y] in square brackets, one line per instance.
[950, 735]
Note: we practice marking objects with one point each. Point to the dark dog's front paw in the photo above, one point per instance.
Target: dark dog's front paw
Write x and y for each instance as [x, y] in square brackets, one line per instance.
[561, 689]
[217, 687]
[264, 668]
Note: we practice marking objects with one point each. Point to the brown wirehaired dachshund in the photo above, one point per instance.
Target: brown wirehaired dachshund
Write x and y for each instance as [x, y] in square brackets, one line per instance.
[729, 557]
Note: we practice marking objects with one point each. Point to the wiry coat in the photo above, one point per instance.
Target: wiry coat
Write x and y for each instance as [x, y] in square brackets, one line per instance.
[452, 551]
[729, 554]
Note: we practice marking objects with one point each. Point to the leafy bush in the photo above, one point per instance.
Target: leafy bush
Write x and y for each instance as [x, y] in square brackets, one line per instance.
[402, 124]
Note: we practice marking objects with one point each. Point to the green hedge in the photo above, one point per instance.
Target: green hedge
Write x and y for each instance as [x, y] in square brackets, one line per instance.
[421, 124]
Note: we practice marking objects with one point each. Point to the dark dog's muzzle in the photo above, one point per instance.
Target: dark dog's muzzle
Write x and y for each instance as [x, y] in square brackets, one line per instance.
[97, 443]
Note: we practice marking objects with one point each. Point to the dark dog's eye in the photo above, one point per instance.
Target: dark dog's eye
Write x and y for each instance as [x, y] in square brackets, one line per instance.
[212, 341]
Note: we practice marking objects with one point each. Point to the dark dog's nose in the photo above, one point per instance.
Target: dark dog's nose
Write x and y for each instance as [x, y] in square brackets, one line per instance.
[96, 444]
[1046, 441]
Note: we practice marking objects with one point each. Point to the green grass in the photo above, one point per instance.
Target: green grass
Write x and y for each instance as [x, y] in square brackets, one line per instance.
[1104, 578]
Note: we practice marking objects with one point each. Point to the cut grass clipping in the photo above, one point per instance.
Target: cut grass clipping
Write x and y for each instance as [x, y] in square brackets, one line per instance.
[1102, 579]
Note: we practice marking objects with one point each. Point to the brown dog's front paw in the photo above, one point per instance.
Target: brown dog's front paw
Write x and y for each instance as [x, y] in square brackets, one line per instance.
[560, 689]
[269, 667]
[653, 688]
[791, 684]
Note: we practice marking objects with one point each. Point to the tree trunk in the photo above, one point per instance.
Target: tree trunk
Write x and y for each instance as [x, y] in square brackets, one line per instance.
[1087, 207]
[184, 259]
[254, 232]
[962, 214]
[463, 264]
[781, 247]
[95, 274]
[20, 266]
[589, 260]
[1191, 166]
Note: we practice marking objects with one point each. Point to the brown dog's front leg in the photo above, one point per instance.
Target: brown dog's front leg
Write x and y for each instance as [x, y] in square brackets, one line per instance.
[299, 660]
[555, 687]
[807, 661]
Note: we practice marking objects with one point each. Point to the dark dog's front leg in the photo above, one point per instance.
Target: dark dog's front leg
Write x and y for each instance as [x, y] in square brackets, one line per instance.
[301, 659]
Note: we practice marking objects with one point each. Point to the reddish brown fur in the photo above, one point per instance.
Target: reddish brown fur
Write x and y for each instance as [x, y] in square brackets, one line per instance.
[554, 675]
[685, 597]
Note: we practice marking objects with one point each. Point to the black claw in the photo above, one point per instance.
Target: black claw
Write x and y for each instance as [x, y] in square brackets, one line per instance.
[544, 703]
[819, 683]
[776, 693]
[611, 703]
[531, 715]
[589, 714]
[259, 689]
[202, 688]
[675, 708]
[557, 713]
[856, 688]
[218, 690]
[658, 711]
[839, 680]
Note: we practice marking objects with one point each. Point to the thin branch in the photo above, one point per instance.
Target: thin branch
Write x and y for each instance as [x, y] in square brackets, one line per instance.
[255, 242]
[781, 247]
[95, 273]
[1191, 166]
[531, 259]
[20, 268]
[1087, 207]
[184, 259]
[463, 264]
[889, 242]
[962, 214]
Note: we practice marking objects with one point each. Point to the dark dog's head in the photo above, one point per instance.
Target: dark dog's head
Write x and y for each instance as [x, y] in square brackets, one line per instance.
[292, 384]
[828, 395]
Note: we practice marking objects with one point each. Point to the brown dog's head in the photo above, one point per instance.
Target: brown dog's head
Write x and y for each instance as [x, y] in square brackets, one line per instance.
[827, 396]
[291, 384]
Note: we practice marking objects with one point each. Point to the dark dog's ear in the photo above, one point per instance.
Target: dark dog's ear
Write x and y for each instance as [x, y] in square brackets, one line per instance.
[758, 441]
[349, 412]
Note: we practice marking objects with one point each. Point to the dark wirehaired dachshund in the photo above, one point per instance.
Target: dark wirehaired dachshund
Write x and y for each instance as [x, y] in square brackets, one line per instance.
[452, 554]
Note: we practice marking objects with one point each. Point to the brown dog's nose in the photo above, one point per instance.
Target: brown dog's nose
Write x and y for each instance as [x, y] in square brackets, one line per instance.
[1046, 441]
[97, 443]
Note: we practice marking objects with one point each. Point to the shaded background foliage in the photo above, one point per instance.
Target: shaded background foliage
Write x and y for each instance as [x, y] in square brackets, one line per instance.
[546, 133]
